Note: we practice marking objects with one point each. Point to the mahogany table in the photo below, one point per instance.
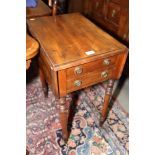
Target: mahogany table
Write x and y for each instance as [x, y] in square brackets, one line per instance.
[74, 54]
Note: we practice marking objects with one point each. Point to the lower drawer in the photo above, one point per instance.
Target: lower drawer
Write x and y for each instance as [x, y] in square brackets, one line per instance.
[88, 80]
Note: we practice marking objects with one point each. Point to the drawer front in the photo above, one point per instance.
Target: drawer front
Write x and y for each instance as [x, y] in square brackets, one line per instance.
[90, 75]
[113, 13]
[89, 79]
[98, 65]
[97, 6]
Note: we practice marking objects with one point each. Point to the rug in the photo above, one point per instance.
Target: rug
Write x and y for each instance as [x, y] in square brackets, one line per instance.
[44, 134]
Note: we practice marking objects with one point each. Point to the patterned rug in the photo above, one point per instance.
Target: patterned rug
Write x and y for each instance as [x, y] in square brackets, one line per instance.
[44, 134]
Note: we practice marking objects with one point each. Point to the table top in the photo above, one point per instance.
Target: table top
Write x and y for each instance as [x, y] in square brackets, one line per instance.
[71, 39]
[40, 10]
[32, 47]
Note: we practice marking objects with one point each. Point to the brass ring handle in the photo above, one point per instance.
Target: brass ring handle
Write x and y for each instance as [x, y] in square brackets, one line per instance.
[77, 83]
[106, 61]
[78, 70]
[113, 12]
[104, 74]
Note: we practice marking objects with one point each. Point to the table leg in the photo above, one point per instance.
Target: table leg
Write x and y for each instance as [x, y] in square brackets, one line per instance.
[108, 94]
[43, 82]
[64, 112]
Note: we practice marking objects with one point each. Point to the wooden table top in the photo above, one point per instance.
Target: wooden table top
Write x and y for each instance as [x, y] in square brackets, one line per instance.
[40, 10]
[71, 39]
[32, 47]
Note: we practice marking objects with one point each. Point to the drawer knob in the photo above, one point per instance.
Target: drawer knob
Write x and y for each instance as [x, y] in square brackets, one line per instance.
[78, 70]
[77, 83]
[106, 62]
[104, 74]
[113, 13]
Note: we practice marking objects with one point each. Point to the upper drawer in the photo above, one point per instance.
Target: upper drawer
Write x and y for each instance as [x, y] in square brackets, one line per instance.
[80, 70]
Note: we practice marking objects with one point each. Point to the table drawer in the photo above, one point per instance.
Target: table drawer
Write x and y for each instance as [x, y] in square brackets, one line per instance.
[81, 70]
[89, 79]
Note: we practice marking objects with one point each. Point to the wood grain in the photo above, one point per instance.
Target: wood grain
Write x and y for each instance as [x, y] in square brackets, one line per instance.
[32, 47]
[88, 80]
[107, 97]
[64, 112]
[62, 82]
[86, 68]
[66, 44]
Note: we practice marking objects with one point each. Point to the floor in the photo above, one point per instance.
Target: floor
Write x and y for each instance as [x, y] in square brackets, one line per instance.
[121, 92]
[86, 136]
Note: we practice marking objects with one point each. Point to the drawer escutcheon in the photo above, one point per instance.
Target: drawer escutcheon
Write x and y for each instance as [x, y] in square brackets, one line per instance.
[106, 62]
[78, 70]
[77, 83]
[104, 74]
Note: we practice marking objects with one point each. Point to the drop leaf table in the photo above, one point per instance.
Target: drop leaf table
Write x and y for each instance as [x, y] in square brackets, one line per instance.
[74, 54]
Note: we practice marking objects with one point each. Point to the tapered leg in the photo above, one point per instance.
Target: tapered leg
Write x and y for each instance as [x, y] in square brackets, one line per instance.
[43, 81]
[64, 112]
[108, 94]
